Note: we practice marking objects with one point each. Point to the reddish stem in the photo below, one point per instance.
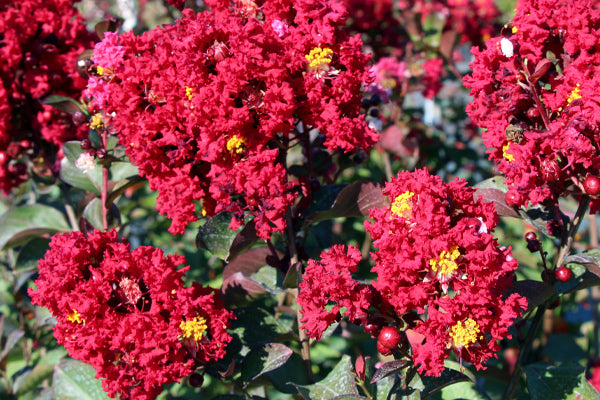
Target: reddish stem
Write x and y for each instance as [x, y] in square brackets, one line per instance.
[104, 195]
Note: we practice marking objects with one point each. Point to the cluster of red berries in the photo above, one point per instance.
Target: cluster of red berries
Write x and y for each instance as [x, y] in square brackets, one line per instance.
[388, 337]
[99, 153]
[533, 244]
[562, 273]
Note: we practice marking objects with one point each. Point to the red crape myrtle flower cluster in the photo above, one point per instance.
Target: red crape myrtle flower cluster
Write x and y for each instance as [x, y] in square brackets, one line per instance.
[40, 41]
[126, 312]
[440, 273]
[535, 92]
[207, 107]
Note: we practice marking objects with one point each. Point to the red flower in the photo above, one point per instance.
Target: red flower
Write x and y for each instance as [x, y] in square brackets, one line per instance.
[207, 107]
[40, 41]
[327, 286]
[435, 257]
[127, 313]
[535, 92]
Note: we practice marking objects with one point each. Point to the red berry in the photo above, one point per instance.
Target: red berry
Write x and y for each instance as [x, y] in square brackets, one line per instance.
[563, 274]
[549, 170]
[512, 198]
[373, 326]
[591, 185]
[548, 275]
[86, 144]
[383, 350]
[530, 236]
[79, 118]
[533, 113]
[101, 154]
[389, 337]
[196, 380]
[533, 245]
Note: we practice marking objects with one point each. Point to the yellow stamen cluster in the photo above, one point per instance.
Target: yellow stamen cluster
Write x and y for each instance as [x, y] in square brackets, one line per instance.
[189, 92]
[74, 316]
[445, 263]
[464, 334]
[96, 122]
[236, 144]
[100, 70]
[402, 205]
[507, 156]
[193, 329]
[574, 94]
[514, 29]
[318, 56]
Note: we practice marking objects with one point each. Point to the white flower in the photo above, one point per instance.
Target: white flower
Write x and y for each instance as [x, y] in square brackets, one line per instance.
[482, 228]
[507, 47]
[85, 162]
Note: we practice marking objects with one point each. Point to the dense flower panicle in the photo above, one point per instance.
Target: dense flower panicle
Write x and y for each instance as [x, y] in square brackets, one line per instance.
[535, 93]
[327, 286]
[204, 106]
[435, 256]
[125, 312]
[40, 41]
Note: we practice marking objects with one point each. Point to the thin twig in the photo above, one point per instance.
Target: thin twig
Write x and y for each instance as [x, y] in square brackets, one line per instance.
[575, 223]
[104, 184]
[524, 353]
[537, 319]
[294, 263]
[69, 209]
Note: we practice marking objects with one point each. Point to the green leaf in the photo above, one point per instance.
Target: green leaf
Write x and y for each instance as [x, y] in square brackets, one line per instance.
[384, 387]
[257, 326]
[74, 380]
[433, 27]
[32, 378]
[31, 253]
[93, 213]
[536, 292]
[216, 237]
[566, 381]
[21, 223]
[448, 377]
[340, 381]
[562, 347]
[389, 368]
[589, 259]
[12, 339]
[64, 103]
[264, 359]
[90, 181]
[27, 260]
[122, 170]
[354, 200]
